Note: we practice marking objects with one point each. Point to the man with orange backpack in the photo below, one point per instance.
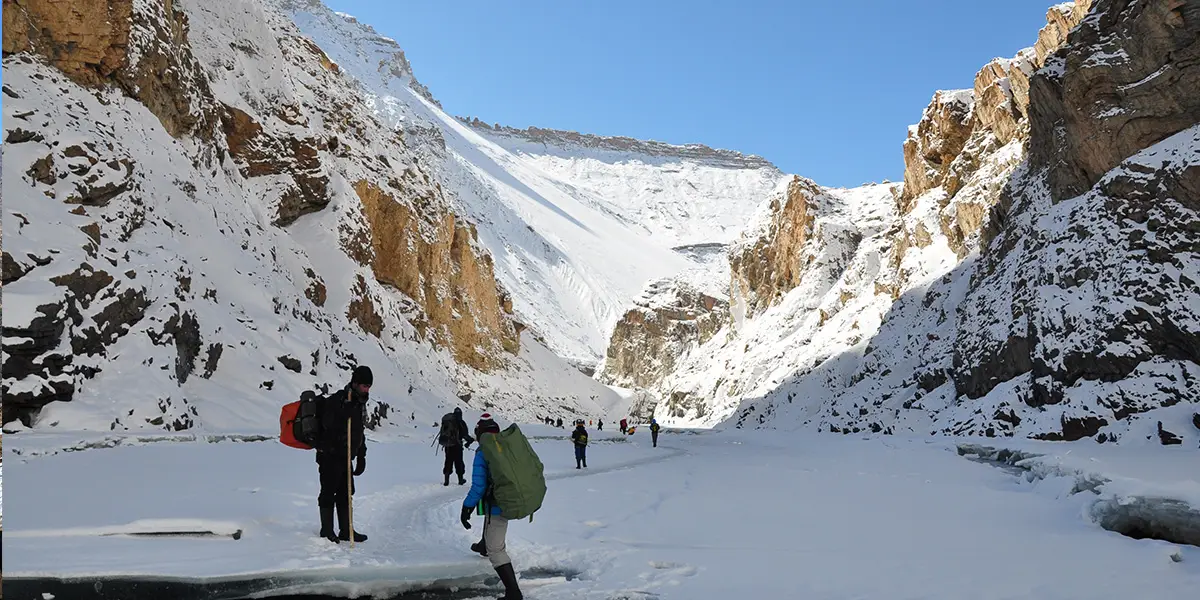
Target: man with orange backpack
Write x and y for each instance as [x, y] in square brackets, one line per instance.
[334, 412]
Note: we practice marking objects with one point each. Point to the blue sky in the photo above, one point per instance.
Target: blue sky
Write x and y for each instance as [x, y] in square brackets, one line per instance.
[823, 89]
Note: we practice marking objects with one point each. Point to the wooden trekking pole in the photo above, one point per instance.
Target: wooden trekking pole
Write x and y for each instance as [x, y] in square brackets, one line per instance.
[349, 485]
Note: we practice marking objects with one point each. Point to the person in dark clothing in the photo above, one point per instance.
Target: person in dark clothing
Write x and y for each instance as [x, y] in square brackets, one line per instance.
[600, 425]
[580, 438]
[348, 405]
[654, 431]
[624, 426]
[560, 422]
[453, 446]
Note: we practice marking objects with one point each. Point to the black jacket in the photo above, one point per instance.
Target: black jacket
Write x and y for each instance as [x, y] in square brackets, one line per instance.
[463, 434]
[333, 411]
[579, 436]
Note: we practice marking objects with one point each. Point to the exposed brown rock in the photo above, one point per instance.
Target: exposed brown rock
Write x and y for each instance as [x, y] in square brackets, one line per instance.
[1060, 20]
[934, 143]
[85, 39]
[362, 309]
[765, 269]
[262, 154]
[89, 41]
[316, 289]
[446, 275]
[668, 320]
[995, 108]
[1126, 80]
[326, 63]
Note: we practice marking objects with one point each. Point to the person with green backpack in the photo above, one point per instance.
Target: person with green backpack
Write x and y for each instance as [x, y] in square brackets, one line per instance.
[508, 481]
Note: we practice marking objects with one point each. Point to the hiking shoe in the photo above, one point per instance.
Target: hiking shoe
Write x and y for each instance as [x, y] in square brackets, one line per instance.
[358, 537]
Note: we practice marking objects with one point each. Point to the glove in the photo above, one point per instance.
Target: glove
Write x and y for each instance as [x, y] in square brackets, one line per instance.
[361, 466]
[466, 516]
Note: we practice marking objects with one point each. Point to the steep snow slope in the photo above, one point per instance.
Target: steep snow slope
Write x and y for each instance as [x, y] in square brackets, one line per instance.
[195, 256]
[576, 231]
[677, 195]
[1026, 281]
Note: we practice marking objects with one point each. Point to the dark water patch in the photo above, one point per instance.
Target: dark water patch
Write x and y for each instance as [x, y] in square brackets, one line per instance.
[1137, 517]
[275, 588]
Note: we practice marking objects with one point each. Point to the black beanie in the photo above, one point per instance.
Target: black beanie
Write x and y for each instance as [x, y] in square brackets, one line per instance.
[362, 374]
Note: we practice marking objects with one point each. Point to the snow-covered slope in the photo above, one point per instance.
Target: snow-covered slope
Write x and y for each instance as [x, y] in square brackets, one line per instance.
[1027, 280]
[577, 228]
[199, 225]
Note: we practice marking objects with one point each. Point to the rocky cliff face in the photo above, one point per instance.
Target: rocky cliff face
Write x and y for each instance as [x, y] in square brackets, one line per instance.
[769, 260]
[668, 320]
[446, 274]
[1034, 278]
[198, 201]
[558, 137]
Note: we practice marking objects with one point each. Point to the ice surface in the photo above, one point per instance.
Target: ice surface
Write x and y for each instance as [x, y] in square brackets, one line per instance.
[702, 516]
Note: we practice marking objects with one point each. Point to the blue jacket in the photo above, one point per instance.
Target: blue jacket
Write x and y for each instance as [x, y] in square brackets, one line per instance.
[479, 482]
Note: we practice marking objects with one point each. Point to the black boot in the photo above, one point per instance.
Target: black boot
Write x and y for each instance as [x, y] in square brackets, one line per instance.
[446, 479]
[327, 523]
[509, 578]
[585, 463]
[343, 514]
[461, 481]
[480, 547]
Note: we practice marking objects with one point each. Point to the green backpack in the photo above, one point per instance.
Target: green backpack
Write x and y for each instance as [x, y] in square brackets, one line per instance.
[518, 482]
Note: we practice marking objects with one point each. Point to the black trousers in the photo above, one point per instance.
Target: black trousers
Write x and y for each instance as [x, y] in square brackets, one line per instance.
[332, 468]
[454, 460]
[654, 438]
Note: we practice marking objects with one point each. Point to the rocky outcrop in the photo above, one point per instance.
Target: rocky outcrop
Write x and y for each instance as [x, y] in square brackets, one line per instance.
[262, 154]
[431, 256]
[668, 320]
[1077, 318]
[767, 263]
[560, 138]
[1074, 306]
[141, 48]
[934, 143]
[961, 147]
[87, 39]
[1126, 79]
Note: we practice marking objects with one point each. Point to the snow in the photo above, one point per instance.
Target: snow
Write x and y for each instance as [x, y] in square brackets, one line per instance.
[840, 517]
[575, 231]
[192, 216]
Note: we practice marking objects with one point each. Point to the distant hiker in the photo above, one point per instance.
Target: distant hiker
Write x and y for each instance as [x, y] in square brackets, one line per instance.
[451, 436]
[348, 405]
[560, 422]
[508, 481]
[412, 417]
[624, 426]
[600, 425]
[654, 432]
[580, 439]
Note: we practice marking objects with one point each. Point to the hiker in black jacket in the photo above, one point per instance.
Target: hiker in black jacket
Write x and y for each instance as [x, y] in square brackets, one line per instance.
[333, 412]
[580, 438]
[451, 437]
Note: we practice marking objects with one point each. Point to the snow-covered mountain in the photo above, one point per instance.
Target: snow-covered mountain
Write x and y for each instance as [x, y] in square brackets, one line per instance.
[577, 223]
[210, 206]
[1036, 275]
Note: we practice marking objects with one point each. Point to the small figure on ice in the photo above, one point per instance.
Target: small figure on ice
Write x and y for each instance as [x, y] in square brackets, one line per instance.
[580, 438]
[451, 436]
